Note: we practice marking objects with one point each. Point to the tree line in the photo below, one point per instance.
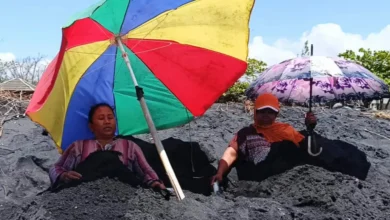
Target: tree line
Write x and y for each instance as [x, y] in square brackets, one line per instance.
[31, 69]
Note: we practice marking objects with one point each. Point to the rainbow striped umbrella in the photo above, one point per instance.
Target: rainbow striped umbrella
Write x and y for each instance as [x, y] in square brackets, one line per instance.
[183, 54]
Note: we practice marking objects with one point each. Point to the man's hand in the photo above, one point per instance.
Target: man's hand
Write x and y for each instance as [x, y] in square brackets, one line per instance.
[310, 120]
[69, 176]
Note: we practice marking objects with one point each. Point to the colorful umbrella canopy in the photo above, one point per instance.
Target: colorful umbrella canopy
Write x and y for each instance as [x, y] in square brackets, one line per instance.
[333, 79]
[184, 55]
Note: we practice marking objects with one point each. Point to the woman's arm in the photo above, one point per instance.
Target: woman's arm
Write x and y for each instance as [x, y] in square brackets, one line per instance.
[228, 157]
[66, 162]
[141, 166]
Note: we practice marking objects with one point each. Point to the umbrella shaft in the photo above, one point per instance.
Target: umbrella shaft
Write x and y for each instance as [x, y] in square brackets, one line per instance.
[310, 92]
[311, 79]
[161, 151]
[127, 61]
[153, 131]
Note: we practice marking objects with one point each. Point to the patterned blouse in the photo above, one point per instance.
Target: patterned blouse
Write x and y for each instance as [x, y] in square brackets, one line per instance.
[255, 149]
[78, 151]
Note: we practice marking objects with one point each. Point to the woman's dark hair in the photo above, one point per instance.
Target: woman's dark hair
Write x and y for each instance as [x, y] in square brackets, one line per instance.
[95, 107]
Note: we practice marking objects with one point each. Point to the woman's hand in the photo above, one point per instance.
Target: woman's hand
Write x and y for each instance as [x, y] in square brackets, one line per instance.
[70, 176]
[310, 120]
[217, 178]
[158, 185]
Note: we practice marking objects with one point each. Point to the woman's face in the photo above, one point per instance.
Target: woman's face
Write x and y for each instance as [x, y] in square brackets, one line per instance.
[265, 116]
[103, 123]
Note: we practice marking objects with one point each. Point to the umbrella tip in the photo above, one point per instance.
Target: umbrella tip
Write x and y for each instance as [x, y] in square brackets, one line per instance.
[118, 37]
[311, 50]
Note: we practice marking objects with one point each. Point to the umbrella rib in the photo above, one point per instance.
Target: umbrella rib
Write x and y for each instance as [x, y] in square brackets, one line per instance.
[132, 48]
[102, 30]
[109, 62]
[330, 83]
[145, 51]
[124, 17]
[177, 63]
[352, 86]
[368, 85]
[292, 87]
[91, 53]
[92, 64]
[281, 77]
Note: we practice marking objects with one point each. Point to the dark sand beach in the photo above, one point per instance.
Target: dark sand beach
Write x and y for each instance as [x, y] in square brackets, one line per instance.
[304, 192]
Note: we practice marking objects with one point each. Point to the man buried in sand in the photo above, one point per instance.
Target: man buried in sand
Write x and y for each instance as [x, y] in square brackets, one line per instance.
[250, 149]
[102, 123]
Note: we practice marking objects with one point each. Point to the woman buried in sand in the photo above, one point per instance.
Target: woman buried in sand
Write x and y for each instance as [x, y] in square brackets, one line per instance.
[249, 148]
[102, 123]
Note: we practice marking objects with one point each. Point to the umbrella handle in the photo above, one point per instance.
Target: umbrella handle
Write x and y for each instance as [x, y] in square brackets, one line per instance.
[315, 147]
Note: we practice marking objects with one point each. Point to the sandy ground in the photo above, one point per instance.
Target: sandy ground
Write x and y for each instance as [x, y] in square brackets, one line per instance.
[305, 192]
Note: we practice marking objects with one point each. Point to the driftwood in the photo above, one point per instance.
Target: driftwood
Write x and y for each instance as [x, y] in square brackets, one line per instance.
[248, 106]
[12, 106]
[383, 115]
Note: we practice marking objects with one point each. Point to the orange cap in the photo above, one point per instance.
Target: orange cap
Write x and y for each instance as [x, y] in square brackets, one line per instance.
[267, 100]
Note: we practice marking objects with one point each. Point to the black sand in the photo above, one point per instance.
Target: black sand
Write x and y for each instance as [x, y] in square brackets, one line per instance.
[304, 192]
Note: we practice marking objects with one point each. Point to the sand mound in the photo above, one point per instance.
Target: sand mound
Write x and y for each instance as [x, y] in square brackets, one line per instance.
[305, 192]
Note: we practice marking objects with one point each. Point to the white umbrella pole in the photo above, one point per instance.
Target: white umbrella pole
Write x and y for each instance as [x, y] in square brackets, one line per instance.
[310, 130]
[160, 148]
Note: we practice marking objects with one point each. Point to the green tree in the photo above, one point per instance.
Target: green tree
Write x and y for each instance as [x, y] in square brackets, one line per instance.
[236, 93]
[254, 66]
[305, 51]
[377, 62]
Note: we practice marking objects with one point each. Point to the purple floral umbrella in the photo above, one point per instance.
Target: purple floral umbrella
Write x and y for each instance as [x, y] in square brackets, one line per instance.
[318, 79]
[334, 79]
